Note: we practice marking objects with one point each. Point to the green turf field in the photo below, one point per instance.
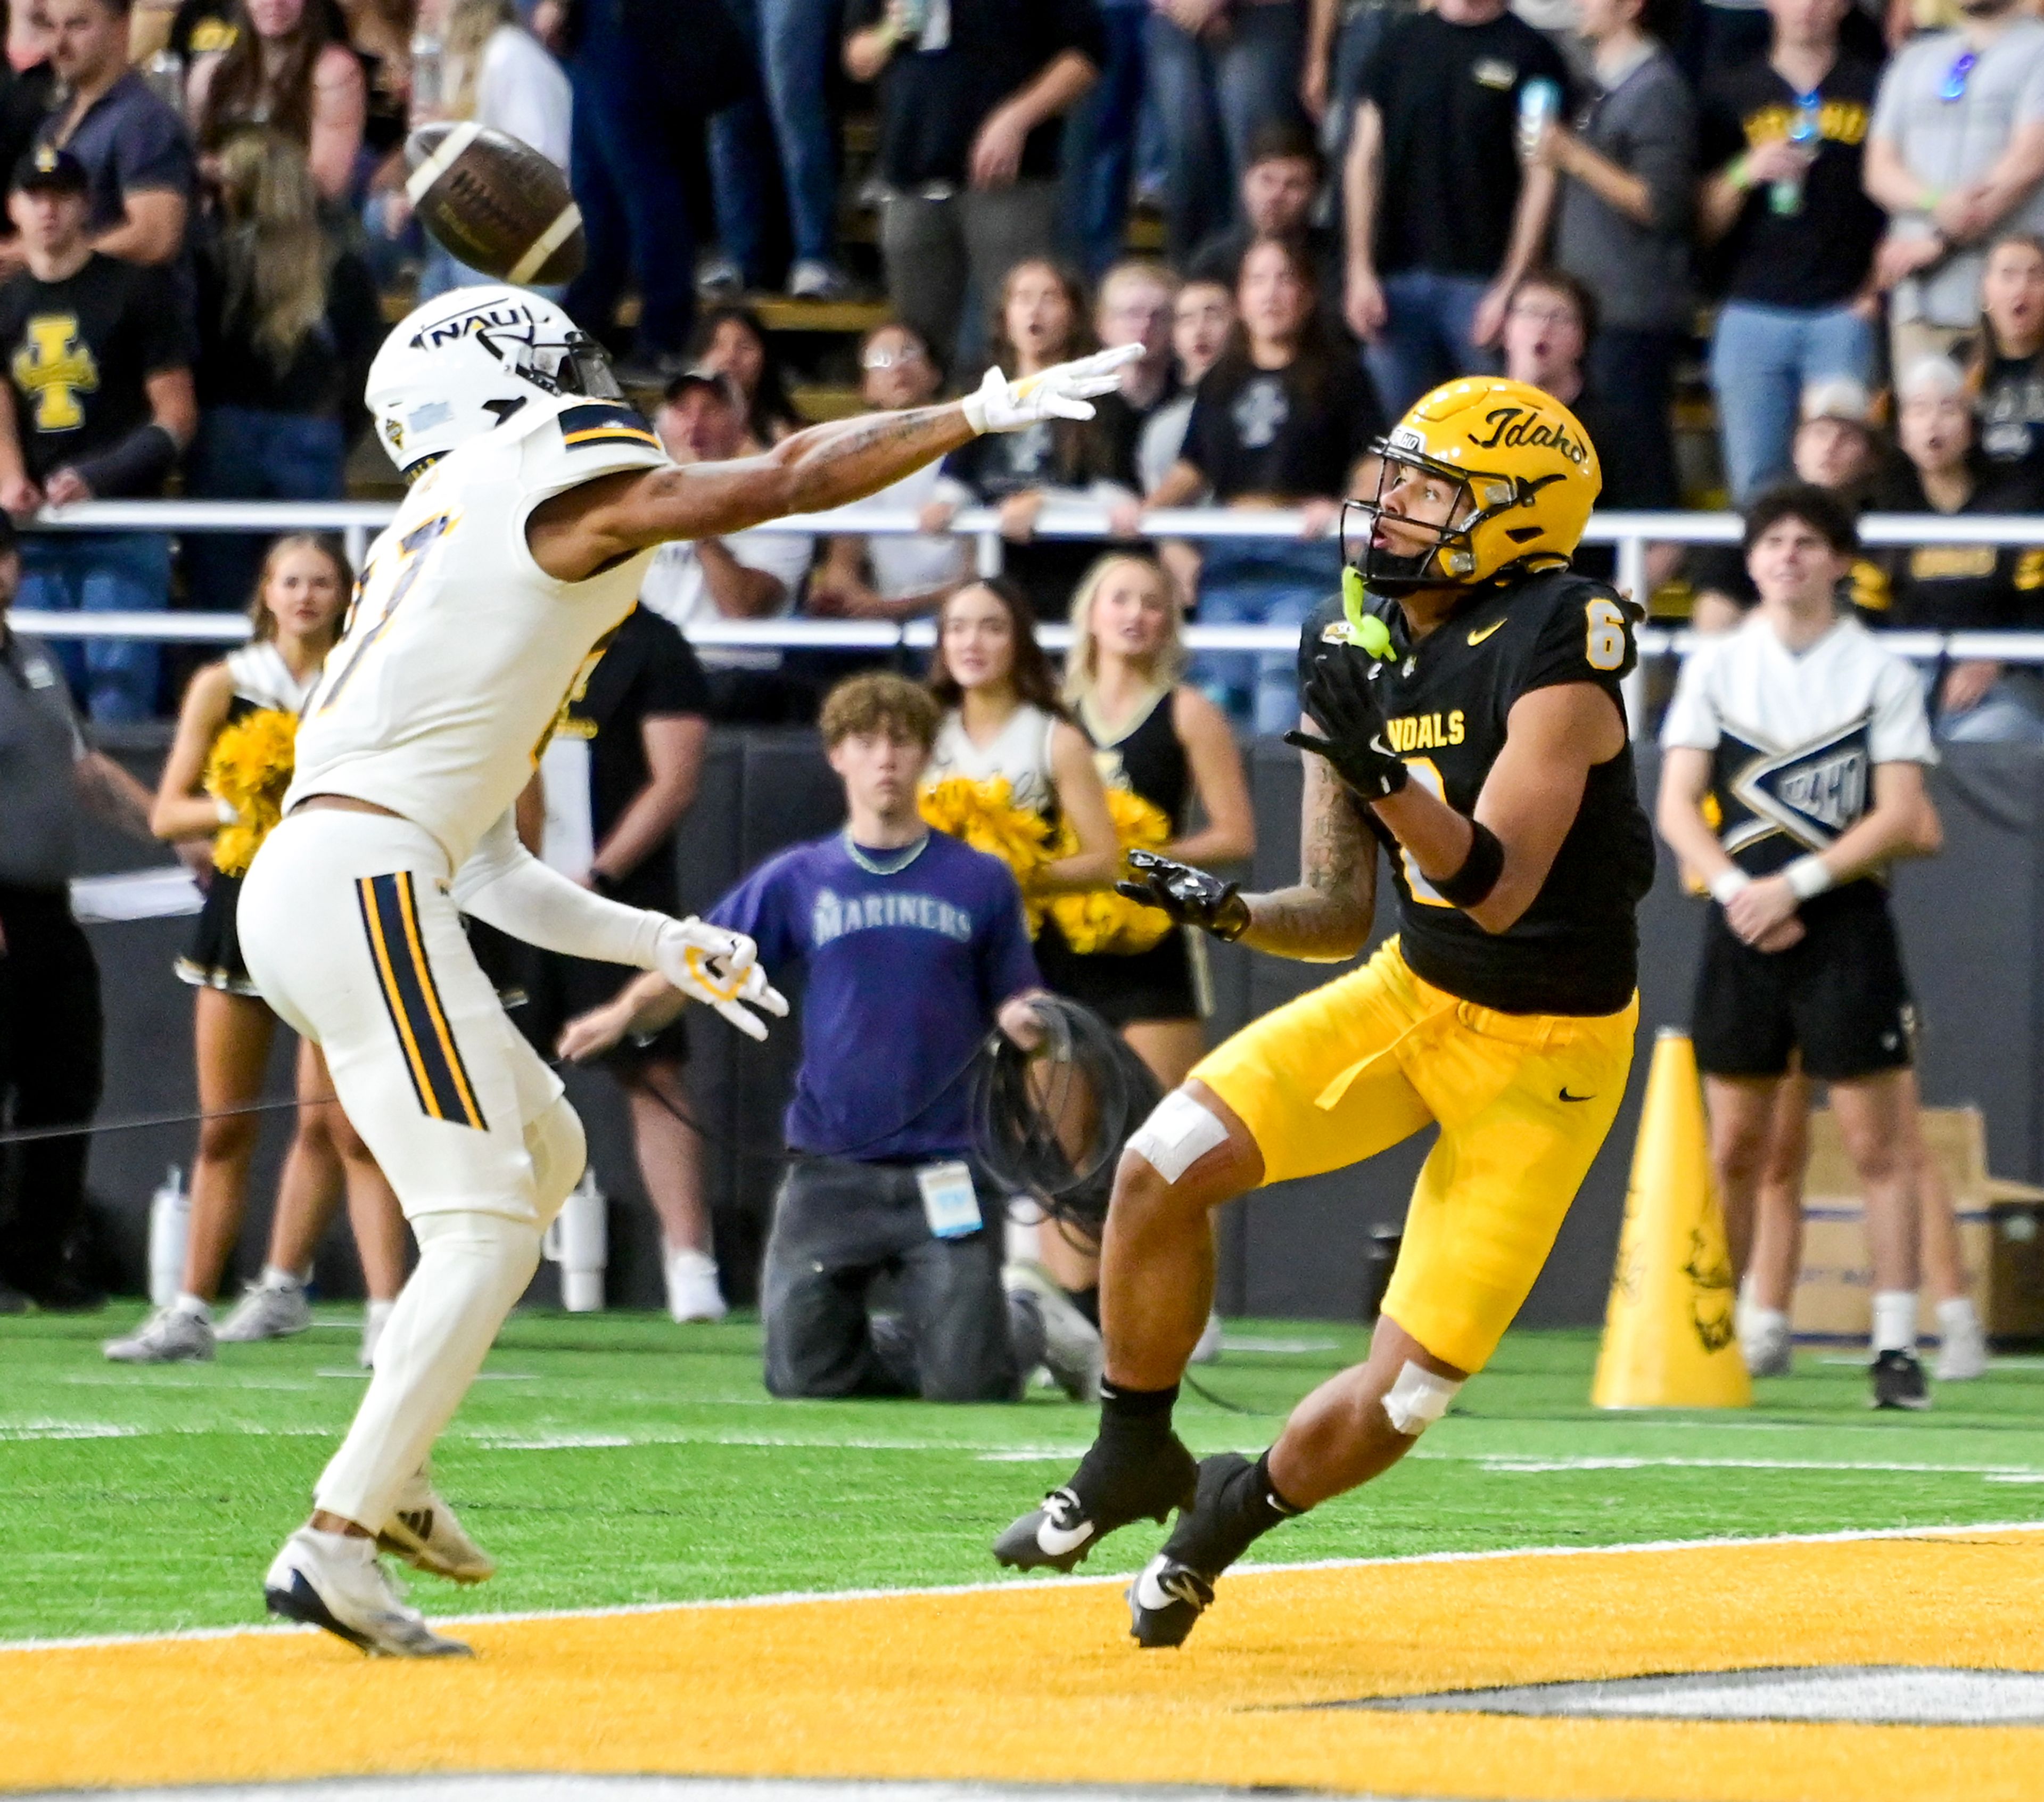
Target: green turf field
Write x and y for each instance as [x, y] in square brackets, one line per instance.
[617, 1458]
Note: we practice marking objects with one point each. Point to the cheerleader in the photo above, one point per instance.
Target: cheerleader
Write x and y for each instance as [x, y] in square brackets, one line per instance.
[1003, 722]
[296, 613]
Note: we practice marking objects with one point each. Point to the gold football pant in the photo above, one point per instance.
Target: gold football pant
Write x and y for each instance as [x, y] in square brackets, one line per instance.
[1524, 1101]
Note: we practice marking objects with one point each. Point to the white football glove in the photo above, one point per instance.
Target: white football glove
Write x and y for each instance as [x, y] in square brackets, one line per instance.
[719, 969]
[1060, 392]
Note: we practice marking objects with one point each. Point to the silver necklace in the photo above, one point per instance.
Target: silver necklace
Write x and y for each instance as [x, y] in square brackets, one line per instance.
[877, 866]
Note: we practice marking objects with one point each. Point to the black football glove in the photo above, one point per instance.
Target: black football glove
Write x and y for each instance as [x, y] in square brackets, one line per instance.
[1338, 697]
[1191, 896]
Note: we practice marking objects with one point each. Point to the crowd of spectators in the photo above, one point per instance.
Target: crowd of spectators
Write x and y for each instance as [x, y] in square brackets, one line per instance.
[1635, 205]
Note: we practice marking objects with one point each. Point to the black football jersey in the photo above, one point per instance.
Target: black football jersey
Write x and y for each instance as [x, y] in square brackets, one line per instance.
[1576, 950]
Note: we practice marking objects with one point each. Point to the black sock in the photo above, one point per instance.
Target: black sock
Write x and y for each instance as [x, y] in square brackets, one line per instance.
[1136, 1413]
[1214, 1534]
[1087, 1301]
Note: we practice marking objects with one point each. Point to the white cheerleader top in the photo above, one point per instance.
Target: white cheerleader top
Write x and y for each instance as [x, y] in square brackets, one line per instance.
[1020, 752]
[263, 679]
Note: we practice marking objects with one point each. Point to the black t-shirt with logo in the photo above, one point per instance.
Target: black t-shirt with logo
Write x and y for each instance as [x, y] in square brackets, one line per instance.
[1935, 587]
[2010, 409]
[646, 671]
[1449, 181]
[1819, 256]
[79, 352]
[1287, 433]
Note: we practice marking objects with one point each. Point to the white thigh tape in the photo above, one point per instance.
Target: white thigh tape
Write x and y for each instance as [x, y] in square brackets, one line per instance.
[1177, 1134]
[1418, 1399]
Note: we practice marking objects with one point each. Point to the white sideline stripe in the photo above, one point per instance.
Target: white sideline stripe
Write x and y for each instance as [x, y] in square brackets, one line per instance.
[798, 1597]
[443, 159]
[567, 221]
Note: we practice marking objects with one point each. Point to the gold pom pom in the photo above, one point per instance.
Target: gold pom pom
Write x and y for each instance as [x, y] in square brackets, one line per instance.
[1101, 920]
[249, 767]
[984, 816]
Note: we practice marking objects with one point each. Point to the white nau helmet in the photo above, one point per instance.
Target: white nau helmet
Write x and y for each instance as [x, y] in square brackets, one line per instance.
[462, 364]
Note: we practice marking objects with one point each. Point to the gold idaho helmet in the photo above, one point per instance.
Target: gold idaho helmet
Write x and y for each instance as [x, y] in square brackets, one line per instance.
[1528, 477]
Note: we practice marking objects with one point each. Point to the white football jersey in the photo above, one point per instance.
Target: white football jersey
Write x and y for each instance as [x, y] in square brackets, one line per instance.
[1795, 736]
[460, 651]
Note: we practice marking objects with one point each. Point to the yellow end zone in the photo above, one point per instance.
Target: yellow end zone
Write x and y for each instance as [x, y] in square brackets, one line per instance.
[1037, 1682]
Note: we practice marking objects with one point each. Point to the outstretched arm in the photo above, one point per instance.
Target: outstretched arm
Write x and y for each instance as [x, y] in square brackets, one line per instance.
[575, 534]
[1325, 916]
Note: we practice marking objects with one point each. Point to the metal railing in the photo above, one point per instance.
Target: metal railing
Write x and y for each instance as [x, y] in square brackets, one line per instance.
[1630, 532]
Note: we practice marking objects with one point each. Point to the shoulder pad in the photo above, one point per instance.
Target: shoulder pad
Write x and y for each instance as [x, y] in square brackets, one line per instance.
[605, 422]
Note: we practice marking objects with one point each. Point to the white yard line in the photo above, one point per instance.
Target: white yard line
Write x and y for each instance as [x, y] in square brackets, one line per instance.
[794, 1598]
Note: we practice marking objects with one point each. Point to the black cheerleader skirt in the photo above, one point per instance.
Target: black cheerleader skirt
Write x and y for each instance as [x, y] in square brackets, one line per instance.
[214, 960]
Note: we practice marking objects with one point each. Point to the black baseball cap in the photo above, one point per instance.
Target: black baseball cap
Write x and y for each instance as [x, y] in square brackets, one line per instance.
[702, 376]
[46, 166]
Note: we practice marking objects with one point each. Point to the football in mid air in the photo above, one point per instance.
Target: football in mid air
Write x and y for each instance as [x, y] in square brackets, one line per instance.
[494, 202]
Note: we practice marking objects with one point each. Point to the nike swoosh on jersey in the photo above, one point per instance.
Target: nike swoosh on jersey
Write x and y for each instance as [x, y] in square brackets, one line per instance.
[1482, 633]
[1567, 1096]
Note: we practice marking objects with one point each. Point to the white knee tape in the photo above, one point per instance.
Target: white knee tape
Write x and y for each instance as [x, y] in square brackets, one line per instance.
[560, 1151]
[1177, 1134]
[1418, 1399]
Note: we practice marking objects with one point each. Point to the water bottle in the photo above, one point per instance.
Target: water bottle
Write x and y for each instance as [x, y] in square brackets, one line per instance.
[165, 74]
[428, 94]
[1784, 197]
[1539, 105]
[170, 1226]
[578, 1240]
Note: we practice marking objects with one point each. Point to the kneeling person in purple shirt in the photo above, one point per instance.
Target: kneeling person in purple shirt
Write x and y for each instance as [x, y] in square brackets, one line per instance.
[913, 946]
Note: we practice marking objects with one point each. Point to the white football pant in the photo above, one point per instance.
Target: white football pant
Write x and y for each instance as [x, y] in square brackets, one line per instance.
[347, 929]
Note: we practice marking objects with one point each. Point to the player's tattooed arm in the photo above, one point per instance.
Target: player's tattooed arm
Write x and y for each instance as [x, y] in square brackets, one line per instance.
[575, 534]
[1325, 917]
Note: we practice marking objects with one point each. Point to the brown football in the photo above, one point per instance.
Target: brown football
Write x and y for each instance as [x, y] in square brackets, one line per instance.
[494, 202]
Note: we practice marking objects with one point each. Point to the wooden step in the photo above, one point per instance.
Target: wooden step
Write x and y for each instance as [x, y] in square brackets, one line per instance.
[822, 401]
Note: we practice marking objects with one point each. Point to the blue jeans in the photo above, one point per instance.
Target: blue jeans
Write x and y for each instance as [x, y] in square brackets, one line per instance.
[1211, 97]
[1261, 582]
[1761, 359]
[626, 170]
[1426, 340]
[102, 572]
[791, 126]
[1100, 145]
[249, 454]
[2010, 712]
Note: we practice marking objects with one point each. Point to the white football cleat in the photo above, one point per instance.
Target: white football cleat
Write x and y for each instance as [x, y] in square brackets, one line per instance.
[692, 1292]
[171, 1335]
[1072, 1350]
[1208, 1351]
[1769, 1351]
[422, 1530]
[266, 1311]
[333, 1581]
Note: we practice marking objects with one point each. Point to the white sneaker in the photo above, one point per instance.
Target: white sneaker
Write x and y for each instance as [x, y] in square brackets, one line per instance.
[718, 277]
[692, 1292]
[171, 1335]
[423, 1531]
[1768, 1351]
[818, 281]
[266, 1311]
[374, 1319]
[1208, 1351]
[1962, 1352]
[1072, 1350]
[333, 1581]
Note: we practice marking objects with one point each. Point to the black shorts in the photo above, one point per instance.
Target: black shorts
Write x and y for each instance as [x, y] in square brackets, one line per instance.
[1162, 983]
[1839, 996]
[558, 987]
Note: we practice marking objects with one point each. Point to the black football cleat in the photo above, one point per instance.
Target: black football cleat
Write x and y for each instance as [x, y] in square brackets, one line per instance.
[1898, 1381]
[1109, 1489]
[1164, 1601]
